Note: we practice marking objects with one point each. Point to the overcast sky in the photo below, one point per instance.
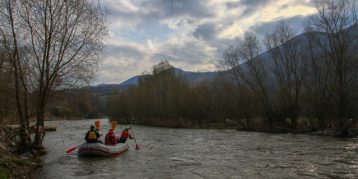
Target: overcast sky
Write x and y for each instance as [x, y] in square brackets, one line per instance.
[192, 37]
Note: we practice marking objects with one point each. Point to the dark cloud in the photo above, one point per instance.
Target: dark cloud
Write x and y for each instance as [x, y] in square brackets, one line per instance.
[255, 2]
[120, 51]
[206, 31]
[195, 9]
[250, 6]
[156, 10]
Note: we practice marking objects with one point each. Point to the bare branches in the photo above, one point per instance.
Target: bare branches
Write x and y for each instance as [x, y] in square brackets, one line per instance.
[337, 43]
[61, 43]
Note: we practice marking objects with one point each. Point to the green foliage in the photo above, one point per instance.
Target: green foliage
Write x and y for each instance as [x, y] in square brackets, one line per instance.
[20, 162]
[4, 173]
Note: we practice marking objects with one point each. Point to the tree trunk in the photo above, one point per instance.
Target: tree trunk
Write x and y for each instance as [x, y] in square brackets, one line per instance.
[39, 132]
[294, 123]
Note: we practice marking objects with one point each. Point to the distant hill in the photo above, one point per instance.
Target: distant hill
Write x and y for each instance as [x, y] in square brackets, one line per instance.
[191, 77]
[196, 77]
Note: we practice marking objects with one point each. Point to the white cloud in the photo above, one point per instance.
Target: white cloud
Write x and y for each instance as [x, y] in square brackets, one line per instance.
[192, 37]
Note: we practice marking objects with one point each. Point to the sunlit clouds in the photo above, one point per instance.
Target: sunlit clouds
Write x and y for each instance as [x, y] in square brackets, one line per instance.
[192, 36]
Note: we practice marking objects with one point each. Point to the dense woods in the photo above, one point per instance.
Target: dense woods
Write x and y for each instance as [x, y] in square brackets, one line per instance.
[300, 83]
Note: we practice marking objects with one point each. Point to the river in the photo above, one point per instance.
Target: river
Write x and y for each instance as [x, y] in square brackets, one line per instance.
[200, 153]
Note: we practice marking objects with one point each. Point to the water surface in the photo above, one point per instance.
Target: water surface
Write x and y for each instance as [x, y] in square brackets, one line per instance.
[200, 153]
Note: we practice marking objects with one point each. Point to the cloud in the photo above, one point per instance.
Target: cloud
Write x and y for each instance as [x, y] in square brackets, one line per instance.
[206, 31]
[134, 13]
[115, 51]
[297, 23]
[253, 6]
[250, 6]
[192, 36]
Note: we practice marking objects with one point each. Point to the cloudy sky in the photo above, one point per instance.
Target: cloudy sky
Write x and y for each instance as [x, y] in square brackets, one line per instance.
[192, 36]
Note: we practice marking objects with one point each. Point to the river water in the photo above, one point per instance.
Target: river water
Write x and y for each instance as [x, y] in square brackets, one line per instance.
[200, 153]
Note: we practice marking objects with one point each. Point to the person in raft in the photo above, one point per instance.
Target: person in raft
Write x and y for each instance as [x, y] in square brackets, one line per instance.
[125, 134]
[110, 138]
[98, 125]
[92, 136]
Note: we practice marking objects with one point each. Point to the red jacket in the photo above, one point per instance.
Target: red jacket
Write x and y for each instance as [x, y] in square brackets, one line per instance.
[125, 135]
[110, 138]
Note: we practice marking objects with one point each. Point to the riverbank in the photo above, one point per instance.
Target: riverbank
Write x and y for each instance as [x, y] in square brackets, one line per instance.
[257, 125]
[13, 165]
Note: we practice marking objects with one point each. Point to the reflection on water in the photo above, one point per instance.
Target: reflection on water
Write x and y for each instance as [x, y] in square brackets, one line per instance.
[198, 153]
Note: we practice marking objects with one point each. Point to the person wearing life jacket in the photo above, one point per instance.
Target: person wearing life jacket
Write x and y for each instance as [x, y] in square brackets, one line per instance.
[125, 135]
[98, 125]
[110, 138]
[92, 136]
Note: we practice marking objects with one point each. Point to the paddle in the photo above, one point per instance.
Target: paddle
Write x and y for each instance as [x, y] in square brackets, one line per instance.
[72, 149]
[136, 145]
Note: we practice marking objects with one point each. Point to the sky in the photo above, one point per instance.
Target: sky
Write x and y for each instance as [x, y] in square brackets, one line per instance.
[192, 37]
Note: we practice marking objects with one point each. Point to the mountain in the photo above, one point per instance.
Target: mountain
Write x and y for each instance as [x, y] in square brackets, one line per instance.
[191, 77]
[131, 81]
[196, 77]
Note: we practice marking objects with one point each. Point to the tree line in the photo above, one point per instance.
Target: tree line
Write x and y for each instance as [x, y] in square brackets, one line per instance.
[307, 81]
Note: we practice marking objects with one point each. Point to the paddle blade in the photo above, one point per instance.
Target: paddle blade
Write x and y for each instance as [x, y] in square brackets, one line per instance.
[136, 147]
[71, 150]
[98, 124]
[114, 123]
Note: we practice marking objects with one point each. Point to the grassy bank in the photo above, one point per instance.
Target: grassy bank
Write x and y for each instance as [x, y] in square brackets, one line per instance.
[14, 165]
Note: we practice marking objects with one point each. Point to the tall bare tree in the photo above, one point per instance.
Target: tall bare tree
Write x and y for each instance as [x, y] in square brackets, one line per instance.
[247, 68]
[62, 42]
[288, 69]
[13, 48]
[337, 42]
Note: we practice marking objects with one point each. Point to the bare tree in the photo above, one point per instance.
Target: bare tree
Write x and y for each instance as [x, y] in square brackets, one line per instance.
[247, 68]
[336, 42]
[10, 42]
[316, 83]
[288, 69]
[62, 42]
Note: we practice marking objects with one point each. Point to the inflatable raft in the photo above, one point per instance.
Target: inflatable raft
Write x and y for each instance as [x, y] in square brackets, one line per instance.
[101, 150]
